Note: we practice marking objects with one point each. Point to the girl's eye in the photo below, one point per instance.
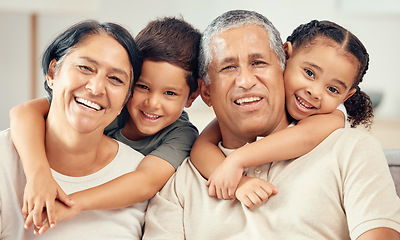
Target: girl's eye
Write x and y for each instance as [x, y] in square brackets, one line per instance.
[333, 90]
[170, 93]
[309, 73]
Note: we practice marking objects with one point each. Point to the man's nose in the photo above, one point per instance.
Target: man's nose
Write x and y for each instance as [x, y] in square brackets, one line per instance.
[246, 79]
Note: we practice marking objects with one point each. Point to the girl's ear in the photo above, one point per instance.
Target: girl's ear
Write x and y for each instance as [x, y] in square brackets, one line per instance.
[205, 92]
[288, 47]
[51, 73]
[194, 95]
[349, 94]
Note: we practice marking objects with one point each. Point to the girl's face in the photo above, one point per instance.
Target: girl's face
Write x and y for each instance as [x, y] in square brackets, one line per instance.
[318, 78]
[90, 86]
[158, 99]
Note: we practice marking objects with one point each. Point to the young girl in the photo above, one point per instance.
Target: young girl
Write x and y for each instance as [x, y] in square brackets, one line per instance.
[325, 64]
[153, 122]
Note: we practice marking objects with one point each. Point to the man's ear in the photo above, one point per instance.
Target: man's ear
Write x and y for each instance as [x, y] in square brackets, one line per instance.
[193, 96]
[205, 92]
[288, 47]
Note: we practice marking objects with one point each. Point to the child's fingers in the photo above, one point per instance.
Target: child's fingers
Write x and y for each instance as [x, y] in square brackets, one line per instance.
[24, 209]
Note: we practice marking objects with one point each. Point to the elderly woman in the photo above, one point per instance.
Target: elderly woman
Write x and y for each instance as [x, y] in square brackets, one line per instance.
[90, 69]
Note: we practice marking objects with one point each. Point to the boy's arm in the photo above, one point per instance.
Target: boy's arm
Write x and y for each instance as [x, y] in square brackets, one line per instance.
[27, 123]
[134, 187]
[205, 154]
[282, 145]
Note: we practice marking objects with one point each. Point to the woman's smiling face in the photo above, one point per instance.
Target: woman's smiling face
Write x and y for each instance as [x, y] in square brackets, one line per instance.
[91, 83]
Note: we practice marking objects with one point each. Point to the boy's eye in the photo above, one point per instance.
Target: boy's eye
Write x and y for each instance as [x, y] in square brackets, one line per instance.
[309, 73]
[142, 86]
[333, 90]
[170, 93]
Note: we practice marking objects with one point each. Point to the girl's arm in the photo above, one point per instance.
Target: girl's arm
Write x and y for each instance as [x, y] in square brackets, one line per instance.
[282, 145]
[27, 122]
[205, 154]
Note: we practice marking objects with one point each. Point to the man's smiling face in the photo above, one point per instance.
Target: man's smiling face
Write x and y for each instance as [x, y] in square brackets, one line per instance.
[246, 84]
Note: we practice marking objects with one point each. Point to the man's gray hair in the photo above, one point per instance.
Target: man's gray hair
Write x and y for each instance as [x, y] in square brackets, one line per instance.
[234, 19]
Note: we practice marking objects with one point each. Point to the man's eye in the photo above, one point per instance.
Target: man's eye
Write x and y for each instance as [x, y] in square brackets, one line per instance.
[258, 63]
[227, 68]
[333, 90]
[309, 73]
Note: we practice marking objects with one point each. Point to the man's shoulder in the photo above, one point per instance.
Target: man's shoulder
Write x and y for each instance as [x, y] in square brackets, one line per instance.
[352, 134]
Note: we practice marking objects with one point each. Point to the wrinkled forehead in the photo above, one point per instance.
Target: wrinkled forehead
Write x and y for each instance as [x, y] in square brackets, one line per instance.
[242, 41]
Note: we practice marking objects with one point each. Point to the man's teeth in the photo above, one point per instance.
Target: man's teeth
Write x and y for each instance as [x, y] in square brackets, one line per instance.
[151, 116]
[247, 100]
[88, 103]
[303, 104]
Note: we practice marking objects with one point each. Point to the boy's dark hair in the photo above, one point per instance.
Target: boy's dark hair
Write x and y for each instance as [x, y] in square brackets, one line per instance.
[359, 106]
[174, 41]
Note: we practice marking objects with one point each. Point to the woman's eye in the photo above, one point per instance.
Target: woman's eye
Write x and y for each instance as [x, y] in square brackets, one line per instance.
[116, 81]
[85, 68]
[333, 90]
[309, 73]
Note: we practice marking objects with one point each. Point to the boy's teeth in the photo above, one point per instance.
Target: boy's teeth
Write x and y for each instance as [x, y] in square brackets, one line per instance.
[88, 103]
[247, 100]
[151, 115]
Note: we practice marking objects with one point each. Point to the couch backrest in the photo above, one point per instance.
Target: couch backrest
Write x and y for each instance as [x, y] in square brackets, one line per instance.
[393, 159]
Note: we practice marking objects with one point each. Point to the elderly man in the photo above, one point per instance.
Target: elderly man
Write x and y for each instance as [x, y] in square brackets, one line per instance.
[322, 195]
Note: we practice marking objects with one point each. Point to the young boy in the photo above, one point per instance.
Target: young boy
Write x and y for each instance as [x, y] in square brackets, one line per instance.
[152, 122]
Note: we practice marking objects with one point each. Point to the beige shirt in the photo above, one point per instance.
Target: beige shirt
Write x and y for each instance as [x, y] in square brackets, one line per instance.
[339, 190]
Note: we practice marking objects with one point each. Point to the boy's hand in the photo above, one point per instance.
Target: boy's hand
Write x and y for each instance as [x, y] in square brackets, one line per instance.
[61, 212]
[253, 191]
[40, 195]
[223, 182]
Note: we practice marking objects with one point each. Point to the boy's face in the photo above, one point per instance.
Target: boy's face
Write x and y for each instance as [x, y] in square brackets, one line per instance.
[158, 98]
[318, 78]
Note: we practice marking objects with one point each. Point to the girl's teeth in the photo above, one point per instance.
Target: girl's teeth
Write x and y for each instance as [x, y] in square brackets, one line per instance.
[303, 104]
[150, 115]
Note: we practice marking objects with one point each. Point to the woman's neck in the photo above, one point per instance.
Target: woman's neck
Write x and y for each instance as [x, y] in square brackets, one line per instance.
[77, 154]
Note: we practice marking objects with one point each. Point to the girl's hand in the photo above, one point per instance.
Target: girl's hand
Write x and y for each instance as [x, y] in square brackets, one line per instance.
[61, 212]
[224, 180]
[39, 196]
[253, 191]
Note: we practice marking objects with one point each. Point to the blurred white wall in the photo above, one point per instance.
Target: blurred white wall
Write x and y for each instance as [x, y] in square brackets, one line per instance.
[377, 24]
